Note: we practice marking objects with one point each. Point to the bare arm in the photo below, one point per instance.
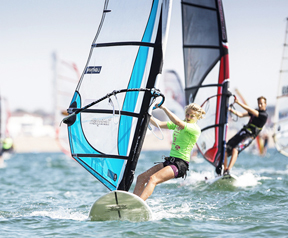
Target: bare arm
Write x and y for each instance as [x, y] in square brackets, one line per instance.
[156, 122]
[239, 114]
[247, 108]
[173, 117]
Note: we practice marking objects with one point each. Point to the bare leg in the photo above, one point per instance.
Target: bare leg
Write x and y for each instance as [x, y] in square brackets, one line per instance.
[143, 178]
[161, 176]
[233, 158]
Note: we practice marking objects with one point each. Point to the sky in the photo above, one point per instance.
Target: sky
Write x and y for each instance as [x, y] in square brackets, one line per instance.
[31, 30]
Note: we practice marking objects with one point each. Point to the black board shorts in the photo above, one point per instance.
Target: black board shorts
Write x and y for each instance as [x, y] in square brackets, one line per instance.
[240, 141]
[181, 165]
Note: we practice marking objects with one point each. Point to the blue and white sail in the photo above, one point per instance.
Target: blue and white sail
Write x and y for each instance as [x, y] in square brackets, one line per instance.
[109, 110]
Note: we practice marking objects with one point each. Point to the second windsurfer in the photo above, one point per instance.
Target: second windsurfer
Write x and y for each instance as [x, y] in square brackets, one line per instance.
[248, 133]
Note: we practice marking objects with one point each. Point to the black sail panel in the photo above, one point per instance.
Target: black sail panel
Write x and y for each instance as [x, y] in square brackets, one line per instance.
[206, 66]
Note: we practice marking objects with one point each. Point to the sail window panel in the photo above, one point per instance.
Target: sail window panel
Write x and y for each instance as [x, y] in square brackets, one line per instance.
[126, 134]
[206, 140]
[204, 3]
[210, 106]
[130, 69]
[213, 76]
[200, 27]
[127, 21]
[95, 124]
[78, 141]
[116, 63]
[198, 62]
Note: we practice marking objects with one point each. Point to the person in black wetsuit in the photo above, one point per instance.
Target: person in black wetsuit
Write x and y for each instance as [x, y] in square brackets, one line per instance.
[248, 133]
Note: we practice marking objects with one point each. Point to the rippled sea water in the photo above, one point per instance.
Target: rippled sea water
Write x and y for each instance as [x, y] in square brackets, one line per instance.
[50, 195]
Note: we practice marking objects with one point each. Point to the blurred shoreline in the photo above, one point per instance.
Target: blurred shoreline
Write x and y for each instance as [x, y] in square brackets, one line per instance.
[30, 144]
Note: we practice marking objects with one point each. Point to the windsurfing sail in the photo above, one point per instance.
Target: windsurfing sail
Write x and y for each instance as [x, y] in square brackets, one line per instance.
[66, 76]
[206, 68]
[110, 109]
[281, 109]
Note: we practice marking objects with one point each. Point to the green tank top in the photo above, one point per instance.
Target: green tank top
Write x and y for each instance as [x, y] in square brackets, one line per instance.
[7, 143]
[183, 140]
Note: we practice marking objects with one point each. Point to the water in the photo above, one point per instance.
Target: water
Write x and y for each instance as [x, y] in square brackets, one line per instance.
[50, 195]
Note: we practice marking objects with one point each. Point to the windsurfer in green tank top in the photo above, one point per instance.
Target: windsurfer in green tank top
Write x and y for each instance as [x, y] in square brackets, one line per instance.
[186, 134]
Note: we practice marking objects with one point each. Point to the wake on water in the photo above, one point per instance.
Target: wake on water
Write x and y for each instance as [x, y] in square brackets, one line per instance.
[165, 208]
[179, 205]
[167, 203]
[61, 214]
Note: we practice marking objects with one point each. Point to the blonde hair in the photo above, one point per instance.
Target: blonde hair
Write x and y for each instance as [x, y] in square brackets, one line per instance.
[199, 112]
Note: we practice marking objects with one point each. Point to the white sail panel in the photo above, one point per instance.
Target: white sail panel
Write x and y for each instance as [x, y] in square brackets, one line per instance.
[281, 108]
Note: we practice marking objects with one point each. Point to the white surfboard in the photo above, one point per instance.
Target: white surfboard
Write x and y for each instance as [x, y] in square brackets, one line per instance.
[223, 179]
[120, 205]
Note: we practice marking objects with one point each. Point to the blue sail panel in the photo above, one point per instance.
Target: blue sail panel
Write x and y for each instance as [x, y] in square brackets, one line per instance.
[107, 170]
[104, 169]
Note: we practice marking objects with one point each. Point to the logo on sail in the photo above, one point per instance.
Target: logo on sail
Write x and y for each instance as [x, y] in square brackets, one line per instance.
[112, 175]
[93, 70]
[100, 122]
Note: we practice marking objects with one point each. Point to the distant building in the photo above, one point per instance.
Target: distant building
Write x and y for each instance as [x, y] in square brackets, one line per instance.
[27, 124]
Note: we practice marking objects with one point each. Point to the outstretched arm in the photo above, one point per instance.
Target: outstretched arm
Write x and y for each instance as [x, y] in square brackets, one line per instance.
[239, 114]
[156, 122]
[245, 107]
[172, 117]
